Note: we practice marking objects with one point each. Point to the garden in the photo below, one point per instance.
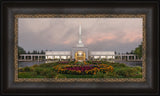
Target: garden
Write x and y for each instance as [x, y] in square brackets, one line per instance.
[86, 69]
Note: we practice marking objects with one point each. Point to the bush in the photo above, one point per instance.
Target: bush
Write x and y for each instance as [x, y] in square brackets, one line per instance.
[45, 71]
[122, 72]
[90, 62]
[110, 74]
[128, 72]
[71, 62]
[138, 68]
[118, 65]
[20, 70]
[38, 70]
[28, 69]
[35, 65]
[48, 64]
[50, 74]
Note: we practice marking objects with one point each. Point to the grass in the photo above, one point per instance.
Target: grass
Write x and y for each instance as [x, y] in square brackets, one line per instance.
[29, 75]
[78, 76]
[46, 71]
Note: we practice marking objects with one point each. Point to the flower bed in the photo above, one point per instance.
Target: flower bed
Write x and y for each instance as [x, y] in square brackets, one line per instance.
[83, 70]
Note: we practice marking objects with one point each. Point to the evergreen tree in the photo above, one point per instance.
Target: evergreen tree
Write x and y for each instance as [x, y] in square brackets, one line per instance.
[21, 50]
[34, 52]
[42, 52]
[29, 52]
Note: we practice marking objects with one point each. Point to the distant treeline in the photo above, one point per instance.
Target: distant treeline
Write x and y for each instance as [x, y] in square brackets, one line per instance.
[137, 51]
[22, 51]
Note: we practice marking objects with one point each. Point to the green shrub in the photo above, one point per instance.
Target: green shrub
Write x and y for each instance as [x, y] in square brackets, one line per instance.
[35, 65]
[111, 74]
[122, 65]
[79, 63]
[89, 61]
[28, 69]
[45, 71]
[51, 74]
[48, 64]
[138, 68]
[71, 62]
[38, 70]
[122, 72]
[20, 70]
[128, 72]
[118, 65]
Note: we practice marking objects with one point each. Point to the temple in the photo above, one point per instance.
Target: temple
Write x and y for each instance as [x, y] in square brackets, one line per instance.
[80, 52]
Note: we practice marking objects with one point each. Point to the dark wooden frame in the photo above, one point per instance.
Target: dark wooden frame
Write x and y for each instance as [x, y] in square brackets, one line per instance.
[150, 8]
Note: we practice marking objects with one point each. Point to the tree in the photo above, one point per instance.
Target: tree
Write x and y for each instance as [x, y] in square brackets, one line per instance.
[37, 52]
[132, 52]
[138, 51]
[21, 50]
[34, 52]
[42, 52]
[29, 52]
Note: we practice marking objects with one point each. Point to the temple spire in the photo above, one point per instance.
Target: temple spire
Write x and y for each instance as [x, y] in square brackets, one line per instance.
[80, 43]
[80, 34]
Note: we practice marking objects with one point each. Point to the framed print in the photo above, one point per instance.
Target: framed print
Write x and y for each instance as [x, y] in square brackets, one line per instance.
[80, 48]
[81, 63]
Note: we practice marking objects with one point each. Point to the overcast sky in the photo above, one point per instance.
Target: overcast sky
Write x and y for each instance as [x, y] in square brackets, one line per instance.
[98, 34]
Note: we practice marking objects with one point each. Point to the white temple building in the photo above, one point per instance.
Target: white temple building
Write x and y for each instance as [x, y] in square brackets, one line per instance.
[80, 53]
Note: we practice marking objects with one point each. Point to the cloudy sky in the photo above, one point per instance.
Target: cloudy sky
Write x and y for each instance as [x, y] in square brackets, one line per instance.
[98, 34]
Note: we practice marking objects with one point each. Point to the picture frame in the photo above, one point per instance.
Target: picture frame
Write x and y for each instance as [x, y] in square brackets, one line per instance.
[21, 16]
[10, 9]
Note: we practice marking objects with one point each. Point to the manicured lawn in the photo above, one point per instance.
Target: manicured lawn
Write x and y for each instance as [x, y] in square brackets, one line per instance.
[29, 75]
[89, 69]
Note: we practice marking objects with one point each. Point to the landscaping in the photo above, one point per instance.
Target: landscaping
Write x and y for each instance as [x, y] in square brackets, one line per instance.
[87, 69]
